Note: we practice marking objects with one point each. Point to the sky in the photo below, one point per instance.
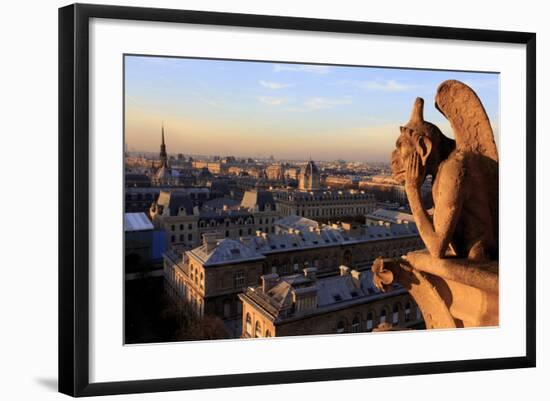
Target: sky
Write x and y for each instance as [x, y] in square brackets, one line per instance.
[291, 111]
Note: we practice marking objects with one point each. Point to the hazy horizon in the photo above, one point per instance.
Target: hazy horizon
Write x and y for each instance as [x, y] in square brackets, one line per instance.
[290, 111]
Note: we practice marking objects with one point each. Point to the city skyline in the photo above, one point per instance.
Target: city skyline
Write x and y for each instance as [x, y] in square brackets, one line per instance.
[291, 111]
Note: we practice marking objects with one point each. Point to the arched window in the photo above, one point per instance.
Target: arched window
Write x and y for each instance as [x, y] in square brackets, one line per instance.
[356, 325]
[226, 309]
[340, 327]
[395, 316]
[248, 324]
[370, 319]
[258, 330]
[407, 311]
[268, 333]
[383, 316]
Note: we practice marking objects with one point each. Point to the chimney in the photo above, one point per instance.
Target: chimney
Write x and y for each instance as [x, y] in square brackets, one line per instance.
[344, 270]
[356, 276]
[311, 273]
[210, 240]
[269, 281]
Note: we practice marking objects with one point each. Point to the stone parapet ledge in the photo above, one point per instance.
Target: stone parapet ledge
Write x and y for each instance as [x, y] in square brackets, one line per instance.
[450, 292]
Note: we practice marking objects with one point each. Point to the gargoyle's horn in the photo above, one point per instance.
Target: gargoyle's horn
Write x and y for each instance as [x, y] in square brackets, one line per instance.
[417, 115]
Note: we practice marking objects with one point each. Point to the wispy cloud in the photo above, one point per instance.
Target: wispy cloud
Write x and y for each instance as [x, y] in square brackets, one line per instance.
[274, 85]
[320, 103]
[272, 101]
[315, 69]
[389, 85]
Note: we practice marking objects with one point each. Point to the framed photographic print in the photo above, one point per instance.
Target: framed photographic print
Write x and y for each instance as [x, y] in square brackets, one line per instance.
[237, 188]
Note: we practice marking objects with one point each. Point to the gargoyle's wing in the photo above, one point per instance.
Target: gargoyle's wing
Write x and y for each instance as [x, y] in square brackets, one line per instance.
[460, 104]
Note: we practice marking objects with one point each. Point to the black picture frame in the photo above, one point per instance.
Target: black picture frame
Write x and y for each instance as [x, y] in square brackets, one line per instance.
[74, 199]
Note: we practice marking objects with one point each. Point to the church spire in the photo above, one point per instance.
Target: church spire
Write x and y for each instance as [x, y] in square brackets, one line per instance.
[163, 155]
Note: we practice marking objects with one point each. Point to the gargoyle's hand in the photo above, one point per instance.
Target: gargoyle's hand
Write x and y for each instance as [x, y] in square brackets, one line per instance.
[414, 176]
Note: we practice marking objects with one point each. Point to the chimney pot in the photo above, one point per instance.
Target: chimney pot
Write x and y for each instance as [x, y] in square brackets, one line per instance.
[344, 270]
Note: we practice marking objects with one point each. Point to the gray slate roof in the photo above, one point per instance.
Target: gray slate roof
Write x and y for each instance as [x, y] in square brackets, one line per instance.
[226, 251]
[137, 222]
[259, 198]
[175, 201]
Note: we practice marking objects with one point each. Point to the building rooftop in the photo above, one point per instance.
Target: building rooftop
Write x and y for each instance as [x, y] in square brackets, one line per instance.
[259, 200]
[223, 251]
[137, 222]
[175, 201]
[296, 222]
[292, 195]
[255, 247]
[222, 215]
[281, 297]
[392, 216]
[220, 203]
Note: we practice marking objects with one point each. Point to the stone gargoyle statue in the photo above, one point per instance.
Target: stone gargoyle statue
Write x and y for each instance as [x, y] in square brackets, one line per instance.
[464, 175]
[454, 282]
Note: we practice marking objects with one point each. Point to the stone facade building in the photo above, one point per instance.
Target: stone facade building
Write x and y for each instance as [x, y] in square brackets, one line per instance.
[310, 178]
[304, 304]
[185, 224]
[212, 275]
[324, 204]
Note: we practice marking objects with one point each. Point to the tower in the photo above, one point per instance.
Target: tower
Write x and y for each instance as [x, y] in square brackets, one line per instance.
[310, 178]
[163, 154]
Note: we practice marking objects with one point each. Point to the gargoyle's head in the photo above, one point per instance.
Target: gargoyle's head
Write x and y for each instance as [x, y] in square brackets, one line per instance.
[417, 136]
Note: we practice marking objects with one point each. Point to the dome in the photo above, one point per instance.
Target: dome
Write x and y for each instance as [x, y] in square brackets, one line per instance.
[311, 168]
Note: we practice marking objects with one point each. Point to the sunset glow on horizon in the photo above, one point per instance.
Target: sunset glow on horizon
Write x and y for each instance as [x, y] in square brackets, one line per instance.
[291, 111]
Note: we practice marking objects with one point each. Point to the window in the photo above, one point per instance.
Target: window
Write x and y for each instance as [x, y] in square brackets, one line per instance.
[181, 226]
[181, 237]
[173, 227]
[173, 238]
[383, 316]
[369, 321]
[227, 233]
[190, 227]
[258, 331]
[226, 309]
[395, 318]
[340, 327]
[239, 279]
[355, 325]
[408, 311]
[248, 324]
[268, 333]
[190, 237]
